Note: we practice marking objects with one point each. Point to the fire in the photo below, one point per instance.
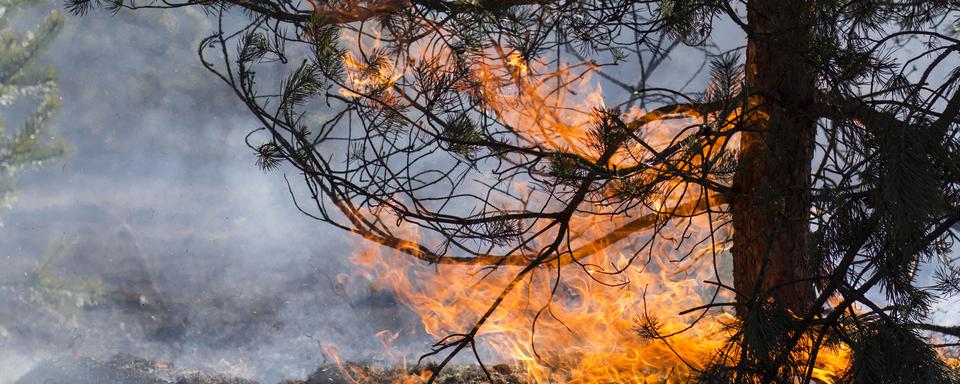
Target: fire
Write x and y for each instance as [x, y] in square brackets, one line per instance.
[515, 60]
[615, 312]
[590, 332]
[366, 78]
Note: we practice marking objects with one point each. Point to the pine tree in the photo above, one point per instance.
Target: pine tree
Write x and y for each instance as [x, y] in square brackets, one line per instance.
[27, 143]
[830, 150]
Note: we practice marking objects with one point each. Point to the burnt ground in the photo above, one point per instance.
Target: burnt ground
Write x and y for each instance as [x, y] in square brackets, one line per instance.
[104, 289]
[126, 369]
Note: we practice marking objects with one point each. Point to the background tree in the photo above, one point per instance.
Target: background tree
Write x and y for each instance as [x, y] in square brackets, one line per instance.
[828, 159]
[29, 143]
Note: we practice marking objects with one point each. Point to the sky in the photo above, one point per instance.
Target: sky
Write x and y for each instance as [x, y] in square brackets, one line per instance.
[203, 258]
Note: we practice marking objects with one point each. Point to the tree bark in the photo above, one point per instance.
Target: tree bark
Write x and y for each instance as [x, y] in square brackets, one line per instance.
[771, 202]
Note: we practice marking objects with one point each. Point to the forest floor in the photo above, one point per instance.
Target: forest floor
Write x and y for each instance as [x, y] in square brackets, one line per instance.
[126, 369]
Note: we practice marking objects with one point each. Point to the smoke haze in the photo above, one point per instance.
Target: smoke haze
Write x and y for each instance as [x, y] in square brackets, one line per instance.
[193, 254]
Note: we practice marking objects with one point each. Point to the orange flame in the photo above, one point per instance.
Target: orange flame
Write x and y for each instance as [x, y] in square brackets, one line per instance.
[574, 323]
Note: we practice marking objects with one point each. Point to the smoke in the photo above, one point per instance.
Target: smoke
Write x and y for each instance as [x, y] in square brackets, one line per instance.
[159, 237]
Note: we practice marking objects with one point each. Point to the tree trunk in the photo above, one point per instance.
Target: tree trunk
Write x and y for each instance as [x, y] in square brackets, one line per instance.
[771, 202]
